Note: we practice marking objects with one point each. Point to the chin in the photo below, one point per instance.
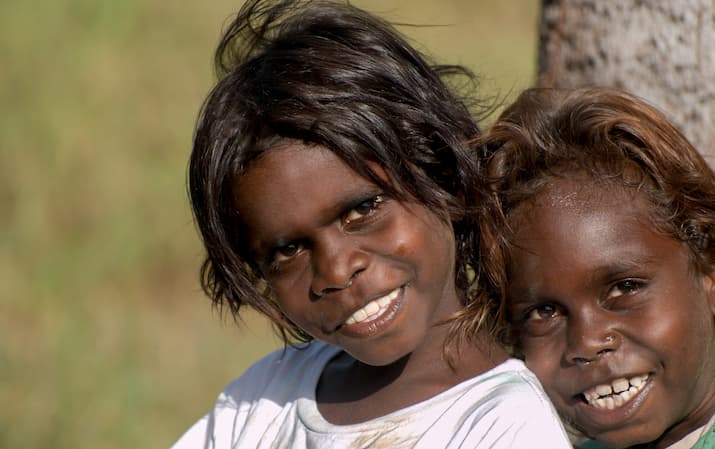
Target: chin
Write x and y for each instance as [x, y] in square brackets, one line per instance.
[623, 439]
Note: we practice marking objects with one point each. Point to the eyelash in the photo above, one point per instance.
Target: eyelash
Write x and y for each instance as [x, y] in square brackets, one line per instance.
[631, 286]
[626, 287]
[274, 257]
[625, 293]
[525, 322]
[526, 316]
[372, 204]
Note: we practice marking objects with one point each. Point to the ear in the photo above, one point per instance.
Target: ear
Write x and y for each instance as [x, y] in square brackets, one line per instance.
[709, 285]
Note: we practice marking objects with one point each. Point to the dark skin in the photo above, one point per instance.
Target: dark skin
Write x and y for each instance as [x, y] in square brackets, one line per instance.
[395, 386]
[614, 317]
[360, 270]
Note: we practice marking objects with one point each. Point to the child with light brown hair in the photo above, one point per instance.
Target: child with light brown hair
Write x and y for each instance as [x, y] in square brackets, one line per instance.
[606, 256]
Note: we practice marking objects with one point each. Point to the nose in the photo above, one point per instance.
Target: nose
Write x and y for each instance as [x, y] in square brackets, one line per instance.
[589, 338]
[337, 260]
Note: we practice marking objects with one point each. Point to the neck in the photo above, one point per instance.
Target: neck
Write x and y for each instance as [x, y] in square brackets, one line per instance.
[378, 390]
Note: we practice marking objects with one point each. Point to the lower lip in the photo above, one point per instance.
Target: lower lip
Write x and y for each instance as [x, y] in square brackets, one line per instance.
[604, 418]
[379, 324]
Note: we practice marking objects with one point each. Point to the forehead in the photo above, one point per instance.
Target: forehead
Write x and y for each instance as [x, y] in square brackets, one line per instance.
[574, 198]
[289, 164]
[293, 186]
[580, 224]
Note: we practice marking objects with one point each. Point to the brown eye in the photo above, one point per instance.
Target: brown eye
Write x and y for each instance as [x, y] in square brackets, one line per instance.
[625, 287]
[286, 252]
[539, 319]
[363, 209]
[542, 312]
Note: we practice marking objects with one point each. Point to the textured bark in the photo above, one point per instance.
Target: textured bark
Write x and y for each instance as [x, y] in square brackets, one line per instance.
[662, 50]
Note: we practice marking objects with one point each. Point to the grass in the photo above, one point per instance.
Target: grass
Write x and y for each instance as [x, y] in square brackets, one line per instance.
[105, 339]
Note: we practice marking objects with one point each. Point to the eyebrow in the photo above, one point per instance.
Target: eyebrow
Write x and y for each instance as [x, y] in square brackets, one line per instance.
[599, 275]
[624, 264]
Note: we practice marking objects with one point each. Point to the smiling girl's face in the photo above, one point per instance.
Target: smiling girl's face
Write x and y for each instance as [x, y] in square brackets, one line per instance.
[346, 262]
[611, 315]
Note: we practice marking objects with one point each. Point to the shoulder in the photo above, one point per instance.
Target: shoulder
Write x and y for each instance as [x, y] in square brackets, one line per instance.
[259, 395]
[509, 402]
[284, 361]
[275, 375]
[512, 379]
[516, 388]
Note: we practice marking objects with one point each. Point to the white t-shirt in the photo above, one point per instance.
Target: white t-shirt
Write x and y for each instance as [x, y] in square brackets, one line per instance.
[272, 406]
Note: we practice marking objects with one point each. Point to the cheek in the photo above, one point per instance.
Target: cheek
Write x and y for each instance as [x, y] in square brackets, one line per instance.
[674, 329]
[541, 357]
[422, 237]
[292, 297]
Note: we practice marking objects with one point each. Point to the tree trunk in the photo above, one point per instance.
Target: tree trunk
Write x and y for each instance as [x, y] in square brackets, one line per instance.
[661, 50]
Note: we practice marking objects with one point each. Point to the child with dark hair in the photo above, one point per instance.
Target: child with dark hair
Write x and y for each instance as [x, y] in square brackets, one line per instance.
[607, 263]
[336, 193]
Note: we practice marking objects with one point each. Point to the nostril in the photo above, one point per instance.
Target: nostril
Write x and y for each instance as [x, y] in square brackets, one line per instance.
[581, 360]
[322, 291]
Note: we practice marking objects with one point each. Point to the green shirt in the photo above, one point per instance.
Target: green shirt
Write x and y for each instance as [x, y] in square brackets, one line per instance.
[707, 441]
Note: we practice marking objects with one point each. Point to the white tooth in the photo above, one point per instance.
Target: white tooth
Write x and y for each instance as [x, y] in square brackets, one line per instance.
[360, 314]
[610, 405]
[628, 394]
[385, 300]
[638, 381]
[620, 385]
[606, 403]
[596, 398]
[617, 400]
[604, 390]
[371, 308]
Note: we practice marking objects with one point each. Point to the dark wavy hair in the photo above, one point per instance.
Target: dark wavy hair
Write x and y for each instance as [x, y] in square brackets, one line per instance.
[610, 136]
[331, 75]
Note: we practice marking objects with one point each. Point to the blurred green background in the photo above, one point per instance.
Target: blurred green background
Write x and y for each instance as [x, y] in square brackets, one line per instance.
[105, 338]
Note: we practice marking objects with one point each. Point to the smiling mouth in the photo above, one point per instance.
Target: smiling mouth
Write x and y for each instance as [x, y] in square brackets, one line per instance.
[374, 309]
[616, 393]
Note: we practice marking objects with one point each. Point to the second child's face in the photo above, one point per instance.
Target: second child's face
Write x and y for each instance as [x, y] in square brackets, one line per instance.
[347, 264]
[613, 317]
